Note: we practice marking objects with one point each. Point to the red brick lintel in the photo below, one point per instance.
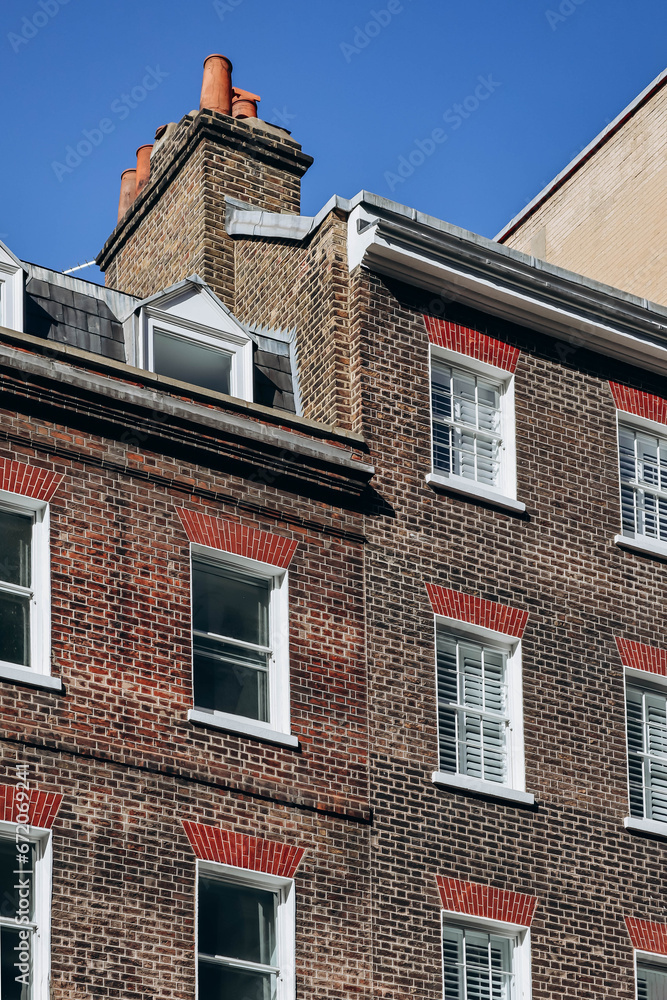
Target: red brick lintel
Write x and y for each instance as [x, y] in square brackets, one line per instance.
[472, 899]
[641, 404]
[647, 935]
[230, 536]
[212, 843]
[27, 480]
[472, 343]
[477, 611]
[642, 657]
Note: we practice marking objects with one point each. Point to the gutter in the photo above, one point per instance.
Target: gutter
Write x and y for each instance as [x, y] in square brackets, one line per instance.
[513, 286]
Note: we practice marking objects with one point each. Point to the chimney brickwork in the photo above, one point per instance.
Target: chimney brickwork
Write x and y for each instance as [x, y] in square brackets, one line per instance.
[176, 224]
[304, 287]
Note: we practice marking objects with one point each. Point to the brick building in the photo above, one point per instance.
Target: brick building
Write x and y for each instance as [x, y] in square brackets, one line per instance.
[332, 564]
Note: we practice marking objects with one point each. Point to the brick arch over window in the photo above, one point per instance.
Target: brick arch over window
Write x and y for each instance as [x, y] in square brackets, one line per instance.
[42, 806]
[465, 340]
[647, 935]
[213, 843]
[238, 539]
[642, 657]
[477, 611]
[641, 404]
[475, 900]
[27, 480]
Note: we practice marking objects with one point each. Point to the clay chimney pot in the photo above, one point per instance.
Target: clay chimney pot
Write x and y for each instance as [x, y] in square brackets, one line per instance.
[244, 104]
[216, 89]
[128, 191]
[143, 166]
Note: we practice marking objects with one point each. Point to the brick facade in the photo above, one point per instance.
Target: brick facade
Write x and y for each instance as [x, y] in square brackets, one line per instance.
[376, 849]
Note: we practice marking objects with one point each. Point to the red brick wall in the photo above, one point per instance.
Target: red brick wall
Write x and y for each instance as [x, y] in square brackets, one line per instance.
[116, 743]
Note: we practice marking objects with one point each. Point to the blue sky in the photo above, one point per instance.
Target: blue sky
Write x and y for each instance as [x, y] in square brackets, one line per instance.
[361, 85]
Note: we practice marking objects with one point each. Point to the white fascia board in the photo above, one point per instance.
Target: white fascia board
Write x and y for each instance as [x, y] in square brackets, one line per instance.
[383, 255]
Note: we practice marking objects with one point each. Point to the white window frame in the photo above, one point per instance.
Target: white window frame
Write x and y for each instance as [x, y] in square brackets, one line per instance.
[515, 787]
[240, 348]
[647, 958]
[42, 889]
[278, 729]
[285, 918]
[38, 674]
[11, 295]
[518, 935]
[637, 543]
[505, 494]
[645, 679]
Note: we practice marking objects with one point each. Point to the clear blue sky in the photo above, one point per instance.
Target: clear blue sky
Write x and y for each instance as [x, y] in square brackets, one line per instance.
[555, 72]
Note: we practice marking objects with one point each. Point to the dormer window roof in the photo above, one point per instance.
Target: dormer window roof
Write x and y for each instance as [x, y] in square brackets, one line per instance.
[187, 334]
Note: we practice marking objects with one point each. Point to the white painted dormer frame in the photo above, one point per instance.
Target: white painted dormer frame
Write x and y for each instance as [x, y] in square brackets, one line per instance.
[191, 312]
[11, 290]
[240, 348]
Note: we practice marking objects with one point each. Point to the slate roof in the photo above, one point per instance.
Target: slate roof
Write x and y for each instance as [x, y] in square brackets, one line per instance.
[76, 312]
[274, 379]
[82, 314]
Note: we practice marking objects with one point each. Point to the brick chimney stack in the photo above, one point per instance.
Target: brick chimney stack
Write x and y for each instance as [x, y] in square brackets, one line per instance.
[174, 223]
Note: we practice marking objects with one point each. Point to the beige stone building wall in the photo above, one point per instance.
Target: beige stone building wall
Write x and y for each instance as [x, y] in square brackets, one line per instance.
[608, 220]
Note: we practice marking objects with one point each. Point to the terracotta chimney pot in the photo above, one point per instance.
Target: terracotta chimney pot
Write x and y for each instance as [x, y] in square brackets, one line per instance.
[244, 104]
[128, 191]
[143, 166]
[216, 88]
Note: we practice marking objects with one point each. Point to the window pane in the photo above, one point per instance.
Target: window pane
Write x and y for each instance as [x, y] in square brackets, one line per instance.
[452, 943]
[9, 988]
[651, 983]
[634, 715]
[231, 679]
[643, 468]
[15, 629]
[230, 604]
[477, 966]
[15, 539]
[472, 708]
[9, 866]
[236, 921]
[189, 361]
[218, 982]
[466, 425]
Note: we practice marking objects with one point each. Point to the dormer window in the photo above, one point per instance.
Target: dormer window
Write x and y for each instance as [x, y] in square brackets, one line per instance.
[189, 336]
[11, 290]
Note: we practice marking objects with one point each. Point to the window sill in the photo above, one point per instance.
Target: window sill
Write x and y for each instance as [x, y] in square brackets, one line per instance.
[645, 826]
[29, 677]
[468, 488]
[245, 727]
[463, 783]
[644, 545]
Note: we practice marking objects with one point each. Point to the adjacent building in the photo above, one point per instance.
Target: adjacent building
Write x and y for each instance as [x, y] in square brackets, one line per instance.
[605, 214]
[333, 656]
